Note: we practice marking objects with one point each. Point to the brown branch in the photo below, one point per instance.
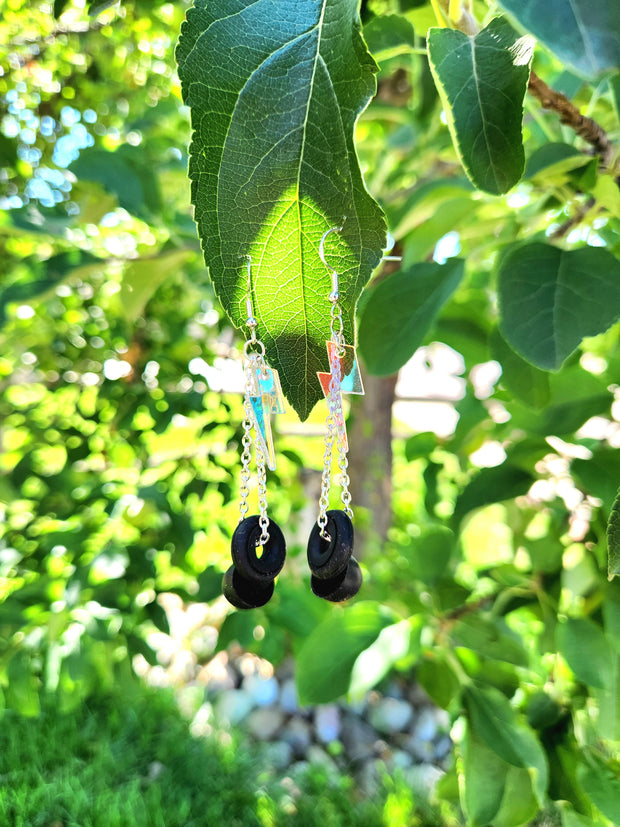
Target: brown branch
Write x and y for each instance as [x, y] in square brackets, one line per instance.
[574, 220]
[586, 128]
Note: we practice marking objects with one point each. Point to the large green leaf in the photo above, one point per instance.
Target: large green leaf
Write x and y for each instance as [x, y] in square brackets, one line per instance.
[482, 81]
[550, 299]
[523, 380]
[601, 781]
[583, 33]
[587, 651]
[326, 659]
[401, 310]
[492, 485]
[274, 90]
[485, 781]
[613, 539]
[497, 724]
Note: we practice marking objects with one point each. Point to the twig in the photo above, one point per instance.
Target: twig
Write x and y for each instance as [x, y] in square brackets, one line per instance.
[586, 128]
[575, 219]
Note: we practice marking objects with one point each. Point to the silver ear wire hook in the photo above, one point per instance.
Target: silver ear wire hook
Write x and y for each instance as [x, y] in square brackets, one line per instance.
[250, 321]
[334, 295]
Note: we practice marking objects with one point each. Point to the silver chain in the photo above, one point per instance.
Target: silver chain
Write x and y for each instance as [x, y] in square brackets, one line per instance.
[263, 519]
[326, 477]
[337, 337]
[246, 458]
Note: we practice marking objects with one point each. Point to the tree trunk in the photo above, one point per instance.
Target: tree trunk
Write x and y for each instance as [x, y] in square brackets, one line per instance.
[370, 460]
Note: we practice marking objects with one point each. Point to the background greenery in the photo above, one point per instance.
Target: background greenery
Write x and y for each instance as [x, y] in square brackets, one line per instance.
[120, 441]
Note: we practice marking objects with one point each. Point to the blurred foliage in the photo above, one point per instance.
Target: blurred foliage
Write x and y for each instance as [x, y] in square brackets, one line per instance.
[121, 431]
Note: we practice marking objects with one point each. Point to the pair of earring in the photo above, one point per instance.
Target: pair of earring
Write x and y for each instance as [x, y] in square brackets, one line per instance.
[258, 548]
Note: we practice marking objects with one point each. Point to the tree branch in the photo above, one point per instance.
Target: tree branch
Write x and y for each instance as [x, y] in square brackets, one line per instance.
[586, 128]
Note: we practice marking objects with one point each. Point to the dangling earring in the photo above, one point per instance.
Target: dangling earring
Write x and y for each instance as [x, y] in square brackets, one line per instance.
[249, 582]
[336, 575]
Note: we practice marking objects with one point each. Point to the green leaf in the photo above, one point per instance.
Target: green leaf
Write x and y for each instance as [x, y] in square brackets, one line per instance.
[393, 644]
[420, 445]
[482, 81]
[550, 299]
[389, 35]
[400, 312]
[587, 651]
[438, 679]
[602, 784]
[122, 173]
[327, 657]
[582, 33]
[492, 485]
[613, 539]
[527, 383]
[599, 475]
[430, 553]
[143, 276]
[485, 781]
[270, 186]
[519, 804]
[490, 637]
[494, 721]
[54, 271]
[554, 161]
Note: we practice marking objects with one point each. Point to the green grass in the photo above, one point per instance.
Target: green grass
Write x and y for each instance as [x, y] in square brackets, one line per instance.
[96, 767]
[93, 768]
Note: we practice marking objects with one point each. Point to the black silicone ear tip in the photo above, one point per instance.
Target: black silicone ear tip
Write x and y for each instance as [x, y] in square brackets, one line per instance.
[329, 558]
[243, 547]
[245, 594]
[342, 587]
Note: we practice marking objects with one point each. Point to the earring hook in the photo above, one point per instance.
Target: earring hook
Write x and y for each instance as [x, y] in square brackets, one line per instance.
[334, 295]
[250, 321]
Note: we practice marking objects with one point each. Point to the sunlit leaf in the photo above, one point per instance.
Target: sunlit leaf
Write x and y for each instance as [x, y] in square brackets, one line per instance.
[269, 187]
[326, 659]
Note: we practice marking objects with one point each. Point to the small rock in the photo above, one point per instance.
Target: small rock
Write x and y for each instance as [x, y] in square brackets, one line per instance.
[288, 696]
[369, 777]
[265, 722]
[327, 723]
[401, 759]
[358, 737]
[418, 696]
[298, 735]
[423, 779]
[443, 747]
[264, 691]
[423, 751]
[278, 755]
[390, 715]
[233, 706]
[425, 725]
